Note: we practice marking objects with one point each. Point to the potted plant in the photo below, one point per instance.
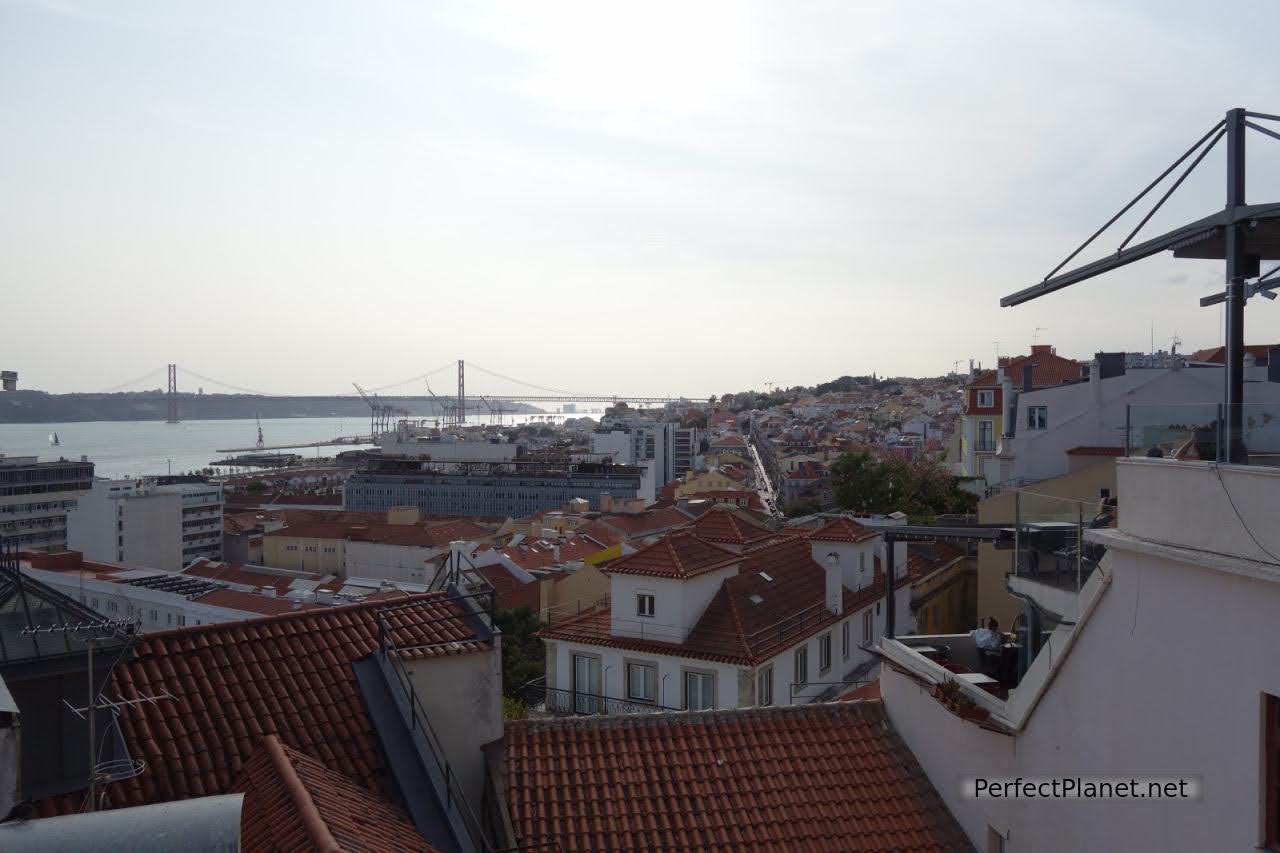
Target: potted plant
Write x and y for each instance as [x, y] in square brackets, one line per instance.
[955, 700]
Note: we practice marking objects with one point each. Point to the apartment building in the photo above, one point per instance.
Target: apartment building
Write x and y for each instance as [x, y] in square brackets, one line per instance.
[35, 497]
[736, 618]
[986, 398]
[160, 523]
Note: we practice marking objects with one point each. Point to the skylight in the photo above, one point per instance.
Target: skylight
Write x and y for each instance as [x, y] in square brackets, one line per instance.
[766, 576]
[755, 599]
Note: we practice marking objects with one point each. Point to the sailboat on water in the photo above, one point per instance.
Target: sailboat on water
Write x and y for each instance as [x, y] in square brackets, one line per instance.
[54, 440]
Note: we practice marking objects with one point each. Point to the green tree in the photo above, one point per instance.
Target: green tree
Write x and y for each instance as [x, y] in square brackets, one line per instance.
[523, 658]
[859, 483]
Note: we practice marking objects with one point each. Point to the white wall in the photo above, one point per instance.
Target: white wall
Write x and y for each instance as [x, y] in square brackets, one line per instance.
[678, 605]
[1165, 678]
[670, 673]
[462, 696]
[390, 562]
[154, 609]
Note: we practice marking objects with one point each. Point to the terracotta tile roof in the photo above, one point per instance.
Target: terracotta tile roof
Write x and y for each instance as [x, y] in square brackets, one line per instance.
[1086, 450]
[539, 553]
[602, 532]
[1049, 369]
[722, 525]
[233, 574]
[676, 555]
[235, 682]
[294, 803]
[842, 530]
[925, 559]
[815, 777]
[734, 627]
[1218, 355]
[648, 522]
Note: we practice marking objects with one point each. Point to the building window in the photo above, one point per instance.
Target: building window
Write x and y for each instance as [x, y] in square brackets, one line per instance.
[866, 627]
[644, 604]
[1271, 763]
[824, 653]
[802, 665]
[995, 841]
[1037, 417]
[986, 435]
[764, 686]
[986, 399]
[155, 615]
[844, 640]
[642, 682]
[182, 619]
[699, 691]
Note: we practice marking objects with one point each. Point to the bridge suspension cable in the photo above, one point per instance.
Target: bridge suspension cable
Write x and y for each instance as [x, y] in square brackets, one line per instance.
[138, 380]
[412, 379]
[559, 391]
[227, 385]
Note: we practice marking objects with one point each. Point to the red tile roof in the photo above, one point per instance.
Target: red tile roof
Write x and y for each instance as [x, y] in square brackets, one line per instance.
[1218, 355]
[722, 525]
[842, 530]
[234, 682]
[810, 777]
[416, 535]
[678, 555]
[294, 803]
[734, 627]
[1049, 369]
[538, 552]
[646, 523]
[1085, 450]
[229, 573]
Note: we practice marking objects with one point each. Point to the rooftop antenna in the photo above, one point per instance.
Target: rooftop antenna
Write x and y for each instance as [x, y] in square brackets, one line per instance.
[91, 634]
[1035, 336]
[996, 344]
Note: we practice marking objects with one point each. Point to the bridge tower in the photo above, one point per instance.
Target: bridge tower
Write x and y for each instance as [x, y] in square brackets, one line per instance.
[171, 396]
[462, 392]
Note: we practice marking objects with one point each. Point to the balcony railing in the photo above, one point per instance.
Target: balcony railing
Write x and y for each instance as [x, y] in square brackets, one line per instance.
[1197, 431]
[1050, 546]
[568, 703]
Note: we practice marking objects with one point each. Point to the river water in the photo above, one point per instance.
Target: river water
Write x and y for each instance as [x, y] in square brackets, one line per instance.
[137, 448]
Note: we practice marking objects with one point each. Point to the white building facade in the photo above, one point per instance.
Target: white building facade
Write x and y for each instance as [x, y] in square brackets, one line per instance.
[151, 523]
[786, 623]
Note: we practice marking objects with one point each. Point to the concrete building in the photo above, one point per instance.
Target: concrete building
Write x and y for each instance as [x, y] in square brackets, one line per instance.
[1161, 665]
[499, 491]
[986, 402]
[35, 498]
[750, 619]
[159, 523]
[1135, 409]
[635, 442]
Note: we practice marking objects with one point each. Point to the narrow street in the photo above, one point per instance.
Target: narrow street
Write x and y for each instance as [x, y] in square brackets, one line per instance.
[763, 485]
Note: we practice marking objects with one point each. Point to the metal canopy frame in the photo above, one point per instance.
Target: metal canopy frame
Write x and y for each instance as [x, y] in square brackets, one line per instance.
[1241, 234]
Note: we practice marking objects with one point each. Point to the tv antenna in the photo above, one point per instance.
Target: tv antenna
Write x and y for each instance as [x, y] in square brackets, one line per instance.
[1035, 336]
[91, 633]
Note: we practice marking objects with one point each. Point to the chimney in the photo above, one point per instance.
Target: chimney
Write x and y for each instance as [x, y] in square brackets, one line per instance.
[835, 582]
[1041, 349]
[1027, 381]
[268, 591]
[1095, 382]
[1273, 364]
[555, 554]
[1110, 364]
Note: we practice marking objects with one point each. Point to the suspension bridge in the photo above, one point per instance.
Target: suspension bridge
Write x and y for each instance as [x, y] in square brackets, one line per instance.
[489, 395]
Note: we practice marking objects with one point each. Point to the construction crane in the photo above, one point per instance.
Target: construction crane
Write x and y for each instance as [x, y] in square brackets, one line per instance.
[498, 411]
[258, 420]
[379, 413]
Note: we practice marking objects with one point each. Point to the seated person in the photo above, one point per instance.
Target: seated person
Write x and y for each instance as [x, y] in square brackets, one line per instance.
[988, 638]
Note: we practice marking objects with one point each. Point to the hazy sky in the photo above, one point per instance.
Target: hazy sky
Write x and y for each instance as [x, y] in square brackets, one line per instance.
[683, 198]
